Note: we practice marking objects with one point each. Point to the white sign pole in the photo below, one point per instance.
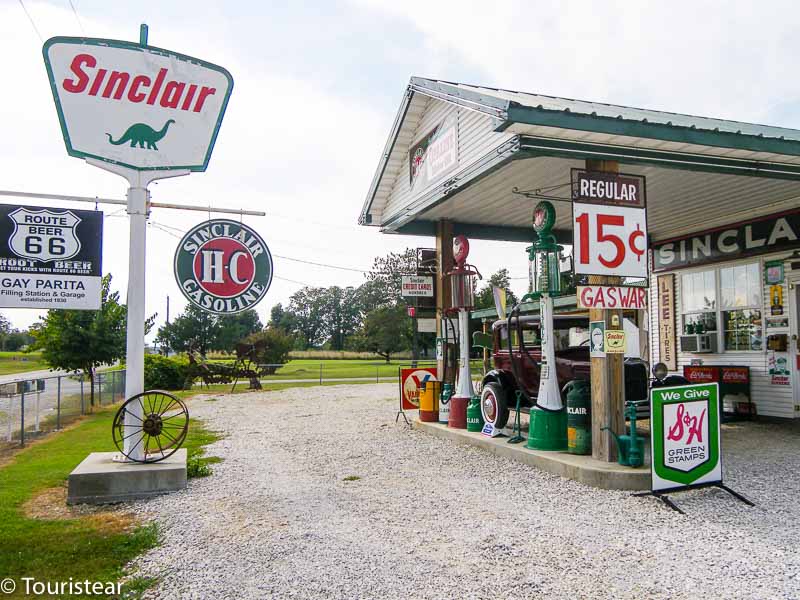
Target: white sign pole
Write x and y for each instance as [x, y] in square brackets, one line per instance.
[138, 209]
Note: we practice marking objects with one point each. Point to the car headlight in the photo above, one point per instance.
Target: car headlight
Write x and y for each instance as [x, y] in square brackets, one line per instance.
[660, 371]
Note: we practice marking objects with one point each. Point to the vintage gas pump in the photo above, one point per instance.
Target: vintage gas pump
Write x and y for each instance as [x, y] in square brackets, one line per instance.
[462, 282]
[548, 418]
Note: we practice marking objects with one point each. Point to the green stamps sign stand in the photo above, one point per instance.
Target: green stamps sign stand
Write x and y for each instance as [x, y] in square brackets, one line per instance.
[223, 266]
[685, 440]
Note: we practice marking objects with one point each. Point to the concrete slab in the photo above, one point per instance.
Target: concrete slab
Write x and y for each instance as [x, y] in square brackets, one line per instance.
[609, 476]
[100, 480]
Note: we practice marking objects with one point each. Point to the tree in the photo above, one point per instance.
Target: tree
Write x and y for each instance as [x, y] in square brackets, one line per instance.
[386, 331]
[341, 314]
[84, 339]
[307, 306]
[195, 329]
[233, 328]
[270, 347]
[386, 276]
[485, 298]
[281, 319]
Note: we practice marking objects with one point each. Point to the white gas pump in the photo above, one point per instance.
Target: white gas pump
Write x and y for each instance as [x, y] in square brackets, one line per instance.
[462, 285]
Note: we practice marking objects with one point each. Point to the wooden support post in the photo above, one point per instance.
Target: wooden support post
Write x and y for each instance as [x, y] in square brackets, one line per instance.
[608, 379]
[444, 262]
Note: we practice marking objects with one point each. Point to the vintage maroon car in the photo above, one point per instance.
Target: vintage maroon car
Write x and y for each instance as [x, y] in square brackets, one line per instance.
[499, 389]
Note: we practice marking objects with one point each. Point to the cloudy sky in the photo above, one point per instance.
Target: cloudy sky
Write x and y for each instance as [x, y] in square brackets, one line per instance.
[317, 85]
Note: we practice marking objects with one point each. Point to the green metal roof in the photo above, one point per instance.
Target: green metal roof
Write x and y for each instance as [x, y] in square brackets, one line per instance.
[536, 109]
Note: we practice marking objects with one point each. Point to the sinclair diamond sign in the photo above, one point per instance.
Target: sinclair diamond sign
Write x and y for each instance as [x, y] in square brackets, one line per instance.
[137, 106]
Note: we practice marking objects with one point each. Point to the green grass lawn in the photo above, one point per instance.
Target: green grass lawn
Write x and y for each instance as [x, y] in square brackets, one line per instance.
[88, 547]
[20, 362]
[340, 369]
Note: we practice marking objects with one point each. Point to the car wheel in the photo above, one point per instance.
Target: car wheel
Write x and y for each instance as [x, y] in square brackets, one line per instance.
[494, 407]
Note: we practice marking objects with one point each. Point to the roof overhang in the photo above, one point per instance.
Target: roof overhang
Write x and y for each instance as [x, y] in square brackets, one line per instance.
[700, 172]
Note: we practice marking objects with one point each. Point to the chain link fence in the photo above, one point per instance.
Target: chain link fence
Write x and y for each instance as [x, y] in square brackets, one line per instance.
[32, 407]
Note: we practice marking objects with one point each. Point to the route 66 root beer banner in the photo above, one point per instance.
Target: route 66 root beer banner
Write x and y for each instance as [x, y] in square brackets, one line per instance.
[685, 436]
[223, 266]
[50, 257]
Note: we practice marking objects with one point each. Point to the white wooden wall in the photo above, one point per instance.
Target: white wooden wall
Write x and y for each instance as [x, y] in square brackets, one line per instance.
[475, 137]
[770, 400]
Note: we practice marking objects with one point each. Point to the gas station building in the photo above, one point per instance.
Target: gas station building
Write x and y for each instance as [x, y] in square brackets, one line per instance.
[723, 218]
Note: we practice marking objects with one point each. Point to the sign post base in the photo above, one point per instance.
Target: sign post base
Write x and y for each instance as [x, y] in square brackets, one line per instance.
[662, 495]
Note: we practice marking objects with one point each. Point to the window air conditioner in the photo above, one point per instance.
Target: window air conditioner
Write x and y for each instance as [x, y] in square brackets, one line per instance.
[699, 343]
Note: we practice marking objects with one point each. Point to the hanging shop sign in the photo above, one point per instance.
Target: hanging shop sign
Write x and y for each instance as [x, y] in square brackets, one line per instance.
[778, 367]
[667, 344]
[137, 106]
[609, 224]
[757, 236]
[410, 382]
[611, 297]
[223, 266]
[50, 257]
[773, 272]
[615, 341]
[685, 436]
[426, 325]
[435, 154]
[413, 286]
[597, 337]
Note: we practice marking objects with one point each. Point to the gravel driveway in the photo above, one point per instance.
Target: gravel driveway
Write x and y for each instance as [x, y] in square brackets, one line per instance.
[429, 519]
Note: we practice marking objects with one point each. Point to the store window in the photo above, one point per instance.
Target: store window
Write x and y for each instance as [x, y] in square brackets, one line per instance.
[699, 291]
[728, 296]
[740, 299]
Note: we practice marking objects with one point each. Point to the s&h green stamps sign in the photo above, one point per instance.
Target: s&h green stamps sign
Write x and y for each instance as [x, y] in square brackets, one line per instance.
[685, 436]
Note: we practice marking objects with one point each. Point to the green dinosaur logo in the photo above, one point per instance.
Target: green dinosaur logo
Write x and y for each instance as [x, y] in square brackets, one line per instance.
[141, 134]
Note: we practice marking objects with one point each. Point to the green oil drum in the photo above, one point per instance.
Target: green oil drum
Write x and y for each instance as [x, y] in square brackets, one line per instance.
[579, 417]
[474, 416]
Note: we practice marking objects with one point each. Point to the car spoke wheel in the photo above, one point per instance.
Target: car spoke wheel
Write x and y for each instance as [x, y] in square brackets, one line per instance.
[493, 405]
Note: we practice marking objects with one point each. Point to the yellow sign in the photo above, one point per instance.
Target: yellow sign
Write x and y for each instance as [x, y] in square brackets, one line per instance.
[615, 341]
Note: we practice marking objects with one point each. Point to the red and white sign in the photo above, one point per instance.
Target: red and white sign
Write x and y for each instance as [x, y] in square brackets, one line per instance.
[612, 297]
[137, 106]
[609, 240]
[410, 382]
[417, 286]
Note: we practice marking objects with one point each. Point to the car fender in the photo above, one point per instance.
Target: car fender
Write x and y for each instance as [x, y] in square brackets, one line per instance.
[504, 378]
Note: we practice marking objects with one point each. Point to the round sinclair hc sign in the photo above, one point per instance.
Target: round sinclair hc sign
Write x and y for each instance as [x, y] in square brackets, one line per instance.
[223, 267]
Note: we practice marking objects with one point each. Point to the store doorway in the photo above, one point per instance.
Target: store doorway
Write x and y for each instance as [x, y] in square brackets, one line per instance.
[794, 338]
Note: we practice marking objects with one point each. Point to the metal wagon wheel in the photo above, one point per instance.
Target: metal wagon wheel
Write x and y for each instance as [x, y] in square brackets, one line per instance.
[161, 429]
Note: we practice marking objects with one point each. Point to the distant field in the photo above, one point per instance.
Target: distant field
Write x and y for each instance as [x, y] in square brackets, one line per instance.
[19, 362]
[343, 368]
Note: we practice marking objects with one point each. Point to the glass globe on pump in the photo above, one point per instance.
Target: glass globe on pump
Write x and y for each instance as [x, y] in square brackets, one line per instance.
[462, 287]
